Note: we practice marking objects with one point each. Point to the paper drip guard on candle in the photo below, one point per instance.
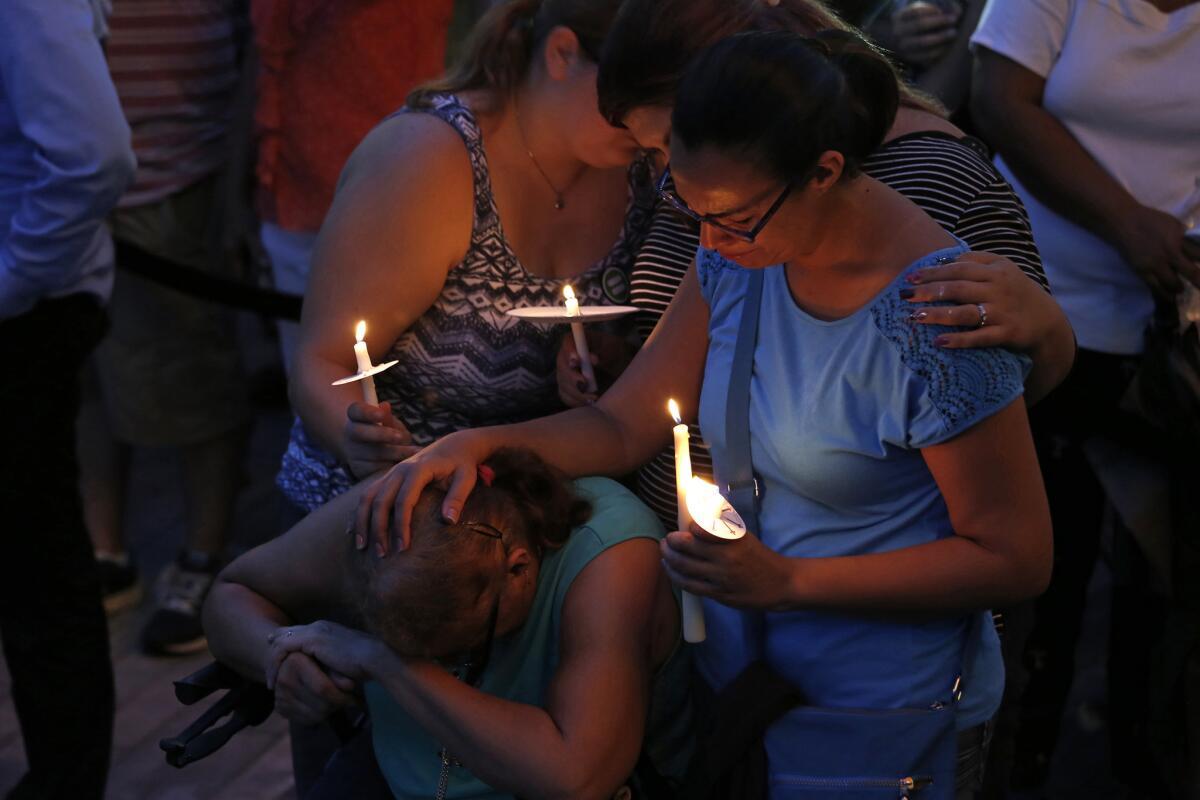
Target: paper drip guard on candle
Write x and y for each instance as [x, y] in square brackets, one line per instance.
[366, 370]
[712, 512]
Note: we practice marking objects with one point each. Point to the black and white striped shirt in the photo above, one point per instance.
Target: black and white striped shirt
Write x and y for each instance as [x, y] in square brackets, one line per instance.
[951, 179]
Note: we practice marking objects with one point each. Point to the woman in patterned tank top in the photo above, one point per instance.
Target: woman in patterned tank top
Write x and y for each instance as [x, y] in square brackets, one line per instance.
[491, 190]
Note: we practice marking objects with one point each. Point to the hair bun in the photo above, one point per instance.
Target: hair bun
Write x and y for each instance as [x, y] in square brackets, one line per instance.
[874, 92]
[544, 497]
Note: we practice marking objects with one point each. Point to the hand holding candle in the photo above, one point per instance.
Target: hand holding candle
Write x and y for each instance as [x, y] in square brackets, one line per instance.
[691, 607]
[581, 345]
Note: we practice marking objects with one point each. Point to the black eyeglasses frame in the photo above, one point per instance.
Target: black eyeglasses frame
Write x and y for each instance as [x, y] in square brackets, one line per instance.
[676, 202]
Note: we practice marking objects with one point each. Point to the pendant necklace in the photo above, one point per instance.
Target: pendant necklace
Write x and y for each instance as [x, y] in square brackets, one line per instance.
[559, 203]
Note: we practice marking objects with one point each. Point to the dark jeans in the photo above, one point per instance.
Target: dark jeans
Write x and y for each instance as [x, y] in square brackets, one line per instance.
[329, 770]
[51, 619]
[1086, 405]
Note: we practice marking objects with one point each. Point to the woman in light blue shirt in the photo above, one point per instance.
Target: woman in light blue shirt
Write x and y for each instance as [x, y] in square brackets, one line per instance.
[899, 486]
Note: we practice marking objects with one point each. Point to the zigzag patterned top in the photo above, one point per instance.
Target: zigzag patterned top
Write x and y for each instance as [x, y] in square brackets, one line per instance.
[464, 363]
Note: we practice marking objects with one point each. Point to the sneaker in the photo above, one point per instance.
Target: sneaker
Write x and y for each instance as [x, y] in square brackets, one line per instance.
[174, 628]
[119, 585]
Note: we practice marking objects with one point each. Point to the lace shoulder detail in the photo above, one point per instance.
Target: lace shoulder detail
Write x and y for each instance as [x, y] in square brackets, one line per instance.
[955, 389]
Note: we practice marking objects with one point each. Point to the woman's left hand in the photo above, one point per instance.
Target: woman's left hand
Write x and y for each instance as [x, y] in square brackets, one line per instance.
[743, 573]
[348, 652]
[1016, 311]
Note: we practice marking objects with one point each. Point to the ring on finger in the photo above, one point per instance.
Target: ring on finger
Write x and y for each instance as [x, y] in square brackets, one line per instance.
[982, 315]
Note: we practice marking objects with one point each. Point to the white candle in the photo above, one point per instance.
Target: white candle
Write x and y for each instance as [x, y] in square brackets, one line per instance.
[693, 610]
[364, 364]
[581, 346]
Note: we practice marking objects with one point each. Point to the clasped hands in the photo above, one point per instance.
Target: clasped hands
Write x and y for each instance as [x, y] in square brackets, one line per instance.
[317, 669]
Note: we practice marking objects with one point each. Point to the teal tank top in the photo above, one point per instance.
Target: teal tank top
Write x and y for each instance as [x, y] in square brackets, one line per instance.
[522, 664]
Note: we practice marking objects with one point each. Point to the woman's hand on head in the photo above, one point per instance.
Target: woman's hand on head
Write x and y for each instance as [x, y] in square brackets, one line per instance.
[306, 693]
[345, 658]
[374, 439]
[452, 462]
[743, 573]
[1019, 311]
[572, 386]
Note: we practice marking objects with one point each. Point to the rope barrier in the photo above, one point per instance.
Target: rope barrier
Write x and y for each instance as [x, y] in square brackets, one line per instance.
[203, 286]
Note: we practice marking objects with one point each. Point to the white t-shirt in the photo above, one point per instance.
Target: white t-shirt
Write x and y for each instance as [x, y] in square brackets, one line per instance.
[1124, 78]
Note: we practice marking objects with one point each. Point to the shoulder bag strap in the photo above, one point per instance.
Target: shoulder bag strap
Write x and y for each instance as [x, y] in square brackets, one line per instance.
[741, 487]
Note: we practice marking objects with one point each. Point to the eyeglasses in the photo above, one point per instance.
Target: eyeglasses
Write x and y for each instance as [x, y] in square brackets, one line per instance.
[482, 528]
[745, 235]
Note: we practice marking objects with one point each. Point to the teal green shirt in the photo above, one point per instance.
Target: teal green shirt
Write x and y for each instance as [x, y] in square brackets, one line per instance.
[522, 664]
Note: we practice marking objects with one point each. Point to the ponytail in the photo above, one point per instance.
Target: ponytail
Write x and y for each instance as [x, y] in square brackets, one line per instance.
[872, 94]
[496, 56]
[781, 100]
[538, 498]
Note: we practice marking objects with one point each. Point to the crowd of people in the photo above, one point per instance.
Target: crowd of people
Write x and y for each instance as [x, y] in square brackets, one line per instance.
[919, 275]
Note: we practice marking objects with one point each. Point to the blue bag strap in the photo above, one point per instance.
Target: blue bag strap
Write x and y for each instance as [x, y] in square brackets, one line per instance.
[741, 487]
[737, 469]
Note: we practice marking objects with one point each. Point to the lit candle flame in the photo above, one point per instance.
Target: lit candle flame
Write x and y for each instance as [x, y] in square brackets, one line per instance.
[360, 330]
[673, 407]
[568, 292]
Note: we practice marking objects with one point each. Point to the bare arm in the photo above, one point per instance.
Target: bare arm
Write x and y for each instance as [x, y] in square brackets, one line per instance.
[1000, 553]
[586, 740]
[1050, 161]
[296, 577]
[401, 219]
[624, 430]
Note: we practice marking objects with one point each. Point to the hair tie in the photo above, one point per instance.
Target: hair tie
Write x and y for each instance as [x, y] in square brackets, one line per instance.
[486, 474]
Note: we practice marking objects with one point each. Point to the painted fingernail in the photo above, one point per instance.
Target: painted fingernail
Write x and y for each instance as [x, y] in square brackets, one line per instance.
[359, 542]
[379, 550]
[941, 341]
[907, 294]
[917, 316]
[914, 277]
[451, 514]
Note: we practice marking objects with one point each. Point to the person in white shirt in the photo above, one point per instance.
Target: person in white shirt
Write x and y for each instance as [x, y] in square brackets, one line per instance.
[1093, 107]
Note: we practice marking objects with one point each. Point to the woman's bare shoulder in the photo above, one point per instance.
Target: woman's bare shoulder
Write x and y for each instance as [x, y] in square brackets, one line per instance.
[412, 149]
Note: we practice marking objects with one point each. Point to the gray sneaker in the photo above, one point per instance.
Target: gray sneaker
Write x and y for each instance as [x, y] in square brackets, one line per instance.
[174, 628]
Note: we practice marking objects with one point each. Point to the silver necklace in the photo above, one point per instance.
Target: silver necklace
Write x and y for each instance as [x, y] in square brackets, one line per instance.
[559, 203]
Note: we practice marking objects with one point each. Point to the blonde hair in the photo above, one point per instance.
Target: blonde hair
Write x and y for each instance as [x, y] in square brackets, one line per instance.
[503, 43]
